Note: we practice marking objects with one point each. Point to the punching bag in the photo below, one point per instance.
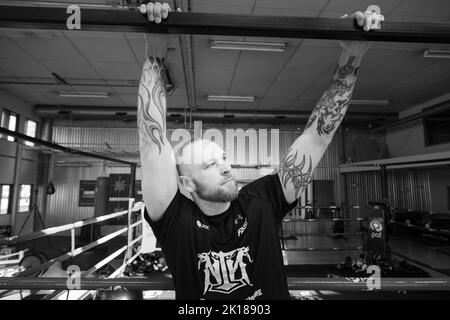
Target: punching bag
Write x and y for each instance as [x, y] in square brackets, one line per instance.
[101, 197]
[100, 204]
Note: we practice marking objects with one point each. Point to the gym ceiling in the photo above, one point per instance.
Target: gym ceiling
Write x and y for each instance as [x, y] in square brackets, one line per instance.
[37, 64]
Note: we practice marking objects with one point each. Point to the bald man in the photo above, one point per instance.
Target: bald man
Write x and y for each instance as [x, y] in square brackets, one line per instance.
[224, 244]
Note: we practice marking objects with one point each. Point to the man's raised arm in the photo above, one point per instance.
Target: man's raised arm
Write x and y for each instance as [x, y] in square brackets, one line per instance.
[159, 175]
[303, 156]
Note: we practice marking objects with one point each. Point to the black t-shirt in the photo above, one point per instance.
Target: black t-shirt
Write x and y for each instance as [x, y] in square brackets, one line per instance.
[233, 255]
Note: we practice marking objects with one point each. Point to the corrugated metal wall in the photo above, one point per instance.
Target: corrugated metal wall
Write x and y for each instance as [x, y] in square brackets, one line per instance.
[97, 138]
[123, 143]
[409, 189]
[406, 189]
[350, 136]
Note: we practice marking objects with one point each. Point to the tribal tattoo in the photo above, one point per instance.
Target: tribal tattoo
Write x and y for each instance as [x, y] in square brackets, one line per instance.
[152, 104]
[298, 174]
[332, 106]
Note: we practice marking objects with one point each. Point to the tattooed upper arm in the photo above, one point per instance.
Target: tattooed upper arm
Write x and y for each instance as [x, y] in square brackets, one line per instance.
[152, 105]
[159, 176]
[304, 155]
[295, 173]
[331, 108]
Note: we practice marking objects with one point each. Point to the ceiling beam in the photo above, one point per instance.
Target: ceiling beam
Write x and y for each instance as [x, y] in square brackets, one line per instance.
[102, 112]
[427, 112]
[126, 20]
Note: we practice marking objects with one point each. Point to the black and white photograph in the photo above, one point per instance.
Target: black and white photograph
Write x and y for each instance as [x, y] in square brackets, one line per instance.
[256, 151]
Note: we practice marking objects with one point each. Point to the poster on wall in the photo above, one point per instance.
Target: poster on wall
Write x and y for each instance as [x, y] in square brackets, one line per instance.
[118, 192]
[87, 193]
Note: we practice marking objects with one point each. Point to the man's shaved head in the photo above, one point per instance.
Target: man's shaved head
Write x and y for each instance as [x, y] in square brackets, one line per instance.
[194, 153]
[203, 169]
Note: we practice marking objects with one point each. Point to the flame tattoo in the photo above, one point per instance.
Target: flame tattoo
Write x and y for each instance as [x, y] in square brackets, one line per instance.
[152, 104]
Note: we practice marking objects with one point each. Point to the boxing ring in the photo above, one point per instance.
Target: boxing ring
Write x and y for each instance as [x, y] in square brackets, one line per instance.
[126, 20]
[129, 251]
[86, 285]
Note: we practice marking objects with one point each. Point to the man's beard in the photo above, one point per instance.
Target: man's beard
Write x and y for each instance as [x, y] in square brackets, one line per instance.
[217, 195]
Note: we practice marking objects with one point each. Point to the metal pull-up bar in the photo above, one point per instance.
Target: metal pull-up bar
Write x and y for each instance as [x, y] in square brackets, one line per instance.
[126, 20]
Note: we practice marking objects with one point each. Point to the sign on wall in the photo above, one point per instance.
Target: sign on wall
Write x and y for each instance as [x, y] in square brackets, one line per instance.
[118, 192]
[87, 193]
[118, 187]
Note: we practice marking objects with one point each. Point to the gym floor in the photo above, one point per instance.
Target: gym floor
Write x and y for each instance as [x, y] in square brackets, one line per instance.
[298, 264]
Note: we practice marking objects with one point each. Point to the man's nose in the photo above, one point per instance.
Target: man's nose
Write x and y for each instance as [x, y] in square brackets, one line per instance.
[225, 168]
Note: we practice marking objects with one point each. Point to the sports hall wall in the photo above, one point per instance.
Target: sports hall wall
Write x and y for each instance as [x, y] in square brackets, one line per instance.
[62, 207]
[409, 140]
[29, 163]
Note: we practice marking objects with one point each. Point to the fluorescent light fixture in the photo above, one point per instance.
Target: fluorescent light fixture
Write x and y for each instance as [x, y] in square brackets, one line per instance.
[245, 45]
[70, 94]
[432, 53]
[231, 98]
[370, 102]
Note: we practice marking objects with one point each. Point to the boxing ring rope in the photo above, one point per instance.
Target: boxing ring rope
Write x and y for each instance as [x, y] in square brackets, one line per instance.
[302, 234]
[115, 274]
[285, 234]
[326, 249]
[128, 247]
[5, 259]
[53, 230]
[420, 228]
[294, 283]
[76, 251]
[322, 220]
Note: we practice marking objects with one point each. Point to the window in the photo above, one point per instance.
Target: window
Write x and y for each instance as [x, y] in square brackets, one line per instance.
[5, 198]
[30, 130]
[10, 122]
[25, 197]
[437, 128]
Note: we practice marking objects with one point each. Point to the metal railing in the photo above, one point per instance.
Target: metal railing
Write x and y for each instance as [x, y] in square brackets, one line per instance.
[127, 249]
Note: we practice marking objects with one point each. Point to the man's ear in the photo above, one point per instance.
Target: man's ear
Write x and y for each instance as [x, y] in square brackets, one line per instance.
[187, 183]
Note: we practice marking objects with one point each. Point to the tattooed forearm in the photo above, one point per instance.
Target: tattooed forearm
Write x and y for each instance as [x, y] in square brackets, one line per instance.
[298, 175]
[332, 106]
[152, 105]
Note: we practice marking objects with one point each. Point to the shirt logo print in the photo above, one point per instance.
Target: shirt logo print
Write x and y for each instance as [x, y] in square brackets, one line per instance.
[243, 227]
[225, 272]
[202, 226]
